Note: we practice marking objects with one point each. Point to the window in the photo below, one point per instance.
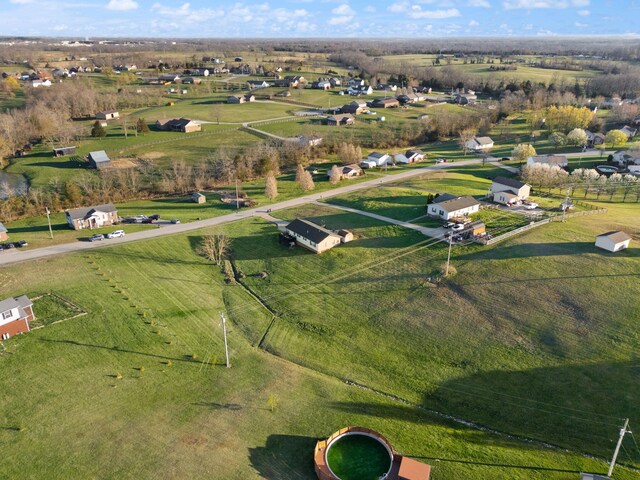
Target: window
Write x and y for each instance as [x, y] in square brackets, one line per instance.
[6, 314]
[441, 212]
[5, 336]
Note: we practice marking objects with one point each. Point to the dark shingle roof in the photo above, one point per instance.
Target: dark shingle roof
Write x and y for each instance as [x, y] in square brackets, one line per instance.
[444, 197]
[309, 230]
[509, 182]
[99, 156]
[77, 213]
[458, 203]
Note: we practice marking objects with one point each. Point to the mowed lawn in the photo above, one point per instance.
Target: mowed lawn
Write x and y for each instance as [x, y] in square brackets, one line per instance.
[136, 388]
[502, 343]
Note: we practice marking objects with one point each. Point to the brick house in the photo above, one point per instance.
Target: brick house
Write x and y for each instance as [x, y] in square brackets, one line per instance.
[15, 316]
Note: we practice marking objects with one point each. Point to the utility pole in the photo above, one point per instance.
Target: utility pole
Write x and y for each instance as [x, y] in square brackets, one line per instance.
[566, 205]
[49, 220]
[623, 431]
[226, 346]
[446, 270]
[237, 197]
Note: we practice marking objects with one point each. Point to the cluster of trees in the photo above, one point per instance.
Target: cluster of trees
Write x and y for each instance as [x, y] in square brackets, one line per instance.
[584, 179]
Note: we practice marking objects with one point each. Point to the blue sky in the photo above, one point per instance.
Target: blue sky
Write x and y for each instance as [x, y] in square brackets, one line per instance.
[318, 18]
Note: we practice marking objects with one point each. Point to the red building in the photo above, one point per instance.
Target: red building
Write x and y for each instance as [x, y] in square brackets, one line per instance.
[15, 316]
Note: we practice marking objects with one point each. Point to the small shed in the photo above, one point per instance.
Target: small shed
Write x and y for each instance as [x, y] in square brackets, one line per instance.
[108, 115]
[613, 241]
[198, 198]
[3, 233]
[99, 159]
[345, 236]
[64, 151]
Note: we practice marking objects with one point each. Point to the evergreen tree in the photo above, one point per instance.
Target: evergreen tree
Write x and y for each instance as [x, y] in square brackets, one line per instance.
[98, 130]
[141, 126]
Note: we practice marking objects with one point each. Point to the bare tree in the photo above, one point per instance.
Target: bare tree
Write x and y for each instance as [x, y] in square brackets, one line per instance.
[271, 186]
[335, 175]
[304, 179]
[215, 248]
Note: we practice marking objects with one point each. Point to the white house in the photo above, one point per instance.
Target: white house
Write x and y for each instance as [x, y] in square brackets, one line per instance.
[551, 160]
[448, 206]
[92, 217]
[508, 191]
[380, 159]
[613, 241]
[367, 164]
[479, 143]
[626, 157]
[311, 236]
[414, 155]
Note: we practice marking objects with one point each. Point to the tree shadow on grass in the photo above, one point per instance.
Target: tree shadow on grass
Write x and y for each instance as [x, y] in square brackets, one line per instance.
[186, 358]
[284, 456]
[40, 228]
[62, 165]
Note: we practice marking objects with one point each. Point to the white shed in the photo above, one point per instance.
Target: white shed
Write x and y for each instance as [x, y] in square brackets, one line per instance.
[613, 241]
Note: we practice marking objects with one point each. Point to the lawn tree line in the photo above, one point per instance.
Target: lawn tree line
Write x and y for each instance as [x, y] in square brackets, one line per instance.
[582, 180]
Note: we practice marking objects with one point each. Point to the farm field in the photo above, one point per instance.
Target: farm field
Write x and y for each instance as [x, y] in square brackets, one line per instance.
[141, 398]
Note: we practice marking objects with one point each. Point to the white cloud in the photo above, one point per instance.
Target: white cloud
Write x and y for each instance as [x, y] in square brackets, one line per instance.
[185, 12]
[528, 26]
[417, 12]
[58, 28]
[21, 2]
[398, 7]
[531, 4]
[122, 5]
[580, 25]
[474, 23]
[343, 9]
[340, 20]
[479, 3]
[370, 9]
[584, 13]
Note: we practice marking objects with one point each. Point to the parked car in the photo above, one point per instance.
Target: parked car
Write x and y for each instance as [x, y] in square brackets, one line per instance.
[458, 227]
[8, 245]
[530, 205]
[140, 218]
[22, 243]
[155, 217]
[128, 220]
[441, 160]
[175, 221]
[449, 225]
[116, 234]
[95, 237]
[147, 220]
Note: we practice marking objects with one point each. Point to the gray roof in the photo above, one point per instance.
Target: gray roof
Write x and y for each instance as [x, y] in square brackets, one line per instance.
[443, 197]
[377, 155]
[77, 213]
[509, 182]
[99, 156]
[483, 140]
[310, 230]
[617, 236]
[18, 302]
[3, 229]
[458, 203]
[411, 153]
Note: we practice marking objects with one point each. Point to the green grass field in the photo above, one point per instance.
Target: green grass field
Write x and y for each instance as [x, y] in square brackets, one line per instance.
[144, 393]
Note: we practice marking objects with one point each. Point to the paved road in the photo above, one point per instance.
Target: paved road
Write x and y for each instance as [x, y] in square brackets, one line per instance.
[18, 255]
[429, 232]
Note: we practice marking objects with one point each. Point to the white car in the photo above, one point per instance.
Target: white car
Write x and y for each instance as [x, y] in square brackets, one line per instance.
[116, 234]
[530, 206]
[458, 227]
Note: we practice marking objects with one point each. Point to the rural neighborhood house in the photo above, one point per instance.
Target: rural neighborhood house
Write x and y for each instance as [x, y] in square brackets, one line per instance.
[448, 206]
[92, 217]
[15, 316]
